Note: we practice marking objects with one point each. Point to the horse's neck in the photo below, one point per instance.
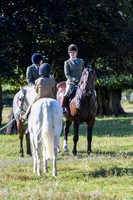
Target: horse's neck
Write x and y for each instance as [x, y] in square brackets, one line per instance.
[80, 97]
[79, 92]
[30, 95]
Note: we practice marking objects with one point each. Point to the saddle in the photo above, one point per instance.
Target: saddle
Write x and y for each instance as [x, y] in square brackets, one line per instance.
[70, 96]
[73, 90]
[72, 93]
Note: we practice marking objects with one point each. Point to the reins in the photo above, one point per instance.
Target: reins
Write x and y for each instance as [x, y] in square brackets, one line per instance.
[11, 121]
[21, 110]
[91, 93]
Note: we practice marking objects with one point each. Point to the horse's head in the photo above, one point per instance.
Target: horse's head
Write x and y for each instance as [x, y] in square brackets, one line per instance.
[22, 102]
[87, 82]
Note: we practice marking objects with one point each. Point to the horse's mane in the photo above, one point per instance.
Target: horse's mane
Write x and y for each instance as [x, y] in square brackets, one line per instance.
[82, 76]
[28, 88]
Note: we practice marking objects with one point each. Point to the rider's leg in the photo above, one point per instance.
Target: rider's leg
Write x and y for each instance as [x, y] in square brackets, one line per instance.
[25, 116]
[65, 100]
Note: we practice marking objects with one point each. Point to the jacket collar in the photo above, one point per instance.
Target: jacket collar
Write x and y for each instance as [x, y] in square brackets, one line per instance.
[34, 68]
[73, 61]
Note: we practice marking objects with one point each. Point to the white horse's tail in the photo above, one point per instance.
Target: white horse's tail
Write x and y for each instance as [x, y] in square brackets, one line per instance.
[48, 129]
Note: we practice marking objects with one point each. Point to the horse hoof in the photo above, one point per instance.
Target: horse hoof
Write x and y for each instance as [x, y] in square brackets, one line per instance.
[66, 150]
[65, 147]
[29, 154]
[21, 156]
[89, 152]
[74, 153]
[58, 150]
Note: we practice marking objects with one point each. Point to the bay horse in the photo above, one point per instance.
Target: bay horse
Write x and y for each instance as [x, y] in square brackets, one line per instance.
[17, 125]
[45, 125]
[83, 107]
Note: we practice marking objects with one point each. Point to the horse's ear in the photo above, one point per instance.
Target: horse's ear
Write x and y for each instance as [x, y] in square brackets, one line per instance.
[22, 89]
[85, 65]
[93, 65]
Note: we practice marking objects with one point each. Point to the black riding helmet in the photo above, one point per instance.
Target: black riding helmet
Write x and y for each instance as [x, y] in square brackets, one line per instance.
[45, 69]
[72, 48]
[37, 57]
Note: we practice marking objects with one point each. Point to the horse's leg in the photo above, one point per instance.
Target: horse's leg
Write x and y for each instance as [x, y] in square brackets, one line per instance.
[89, 134]
[55, 157]
[20, 130]
[28, 142]
[76, 136]
[66, 130]
[45, 166]
[38, 155]
[34, 152]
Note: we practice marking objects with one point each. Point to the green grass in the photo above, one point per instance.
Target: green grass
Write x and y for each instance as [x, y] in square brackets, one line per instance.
[106, 174]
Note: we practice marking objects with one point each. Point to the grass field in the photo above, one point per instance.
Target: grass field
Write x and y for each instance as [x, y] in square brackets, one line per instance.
[106, 174]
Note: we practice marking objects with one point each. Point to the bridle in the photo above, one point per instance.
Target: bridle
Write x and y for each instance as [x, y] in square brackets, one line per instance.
[89, 89]
[24, 99]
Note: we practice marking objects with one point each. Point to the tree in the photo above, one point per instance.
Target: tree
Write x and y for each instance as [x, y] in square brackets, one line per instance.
[101, 30]
[24, 26]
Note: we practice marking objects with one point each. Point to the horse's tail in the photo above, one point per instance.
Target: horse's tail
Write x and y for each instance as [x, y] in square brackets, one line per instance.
[48, 129]
[11, 128]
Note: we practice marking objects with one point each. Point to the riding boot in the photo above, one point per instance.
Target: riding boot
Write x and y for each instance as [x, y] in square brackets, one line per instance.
[64, 105]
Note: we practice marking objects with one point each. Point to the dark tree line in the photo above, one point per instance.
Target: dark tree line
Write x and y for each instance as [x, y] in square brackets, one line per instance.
[102, 30]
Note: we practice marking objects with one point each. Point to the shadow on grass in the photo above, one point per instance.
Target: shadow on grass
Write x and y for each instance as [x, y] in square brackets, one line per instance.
[114, 153]
[108, 153]
[114, 127]
[115, 171]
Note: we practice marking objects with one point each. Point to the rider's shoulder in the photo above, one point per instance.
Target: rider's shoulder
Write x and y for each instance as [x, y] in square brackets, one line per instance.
[67, 61]
[30, 67]
[80, 59]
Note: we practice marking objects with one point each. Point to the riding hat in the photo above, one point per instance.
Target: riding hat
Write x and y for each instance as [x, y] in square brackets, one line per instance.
[72, 48]
[45, 69]
[37, 57]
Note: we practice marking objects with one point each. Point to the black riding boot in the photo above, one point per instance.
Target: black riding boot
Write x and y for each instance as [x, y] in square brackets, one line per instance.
[65, 105]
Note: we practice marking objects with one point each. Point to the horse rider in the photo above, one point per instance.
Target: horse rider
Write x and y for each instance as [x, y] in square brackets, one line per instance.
[45, 86]
[73, 68]
[32, 72]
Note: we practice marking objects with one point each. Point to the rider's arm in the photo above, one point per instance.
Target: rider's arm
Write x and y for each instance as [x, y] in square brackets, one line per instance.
[29, 76]
[54, 89]
[68, 72]
[36, 85]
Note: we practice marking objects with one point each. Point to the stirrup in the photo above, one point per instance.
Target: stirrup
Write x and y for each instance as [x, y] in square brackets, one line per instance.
[65, 110]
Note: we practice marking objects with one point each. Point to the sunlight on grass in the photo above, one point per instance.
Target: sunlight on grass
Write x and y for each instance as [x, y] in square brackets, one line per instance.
[105, 174]
[128, 106]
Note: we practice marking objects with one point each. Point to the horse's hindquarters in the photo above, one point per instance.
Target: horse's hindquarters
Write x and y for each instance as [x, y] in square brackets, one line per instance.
[45, 123]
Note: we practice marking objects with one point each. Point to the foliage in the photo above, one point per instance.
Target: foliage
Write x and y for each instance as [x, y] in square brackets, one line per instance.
[102, 31]
[26, 24]
[115, 82]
